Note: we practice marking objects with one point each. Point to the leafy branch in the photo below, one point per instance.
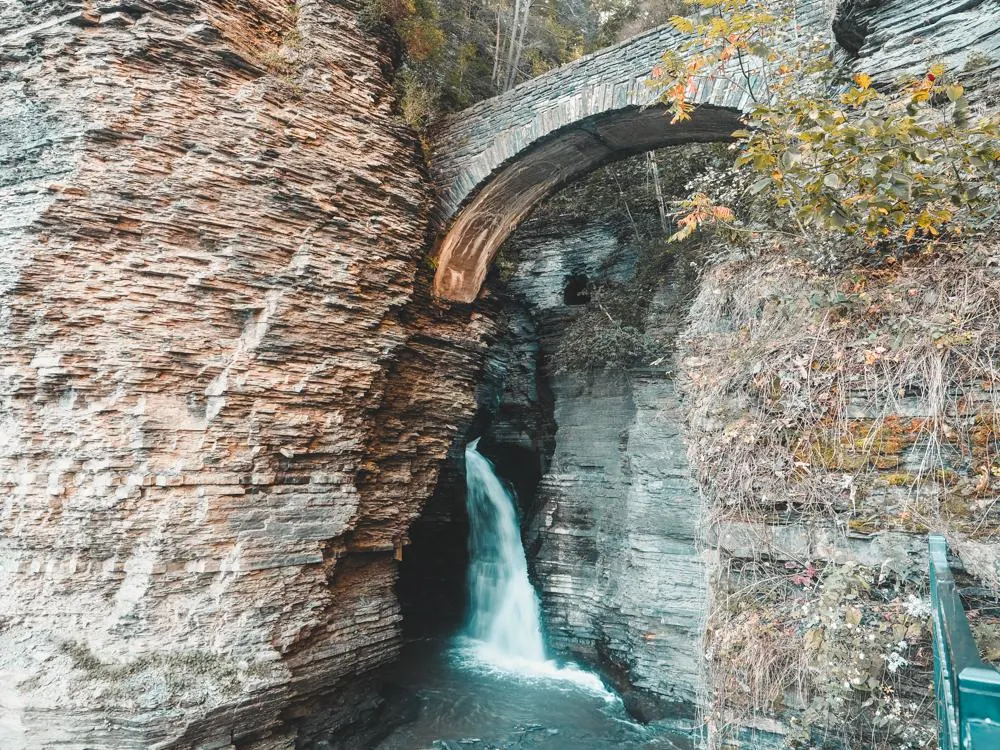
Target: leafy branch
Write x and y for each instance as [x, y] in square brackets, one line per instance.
[884, 167]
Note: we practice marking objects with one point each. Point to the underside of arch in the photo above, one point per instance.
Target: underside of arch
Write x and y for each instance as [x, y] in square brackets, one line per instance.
[508, 196]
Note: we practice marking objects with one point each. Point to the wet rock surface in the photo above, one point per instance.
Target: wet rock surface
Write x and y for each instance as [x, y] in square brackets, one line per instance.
[620, 575]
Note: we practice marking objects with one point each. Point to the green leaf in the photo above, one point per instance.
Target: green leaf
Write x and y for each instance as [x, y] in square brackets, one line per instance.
[838, 219]
[759, 185]
[833, 181]
[954, 92]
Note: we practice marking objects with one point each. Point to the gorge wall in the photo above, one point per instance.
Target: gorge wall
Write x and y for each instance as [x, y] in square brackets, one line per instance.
[226, 391]
[219, 407]
[611, 516]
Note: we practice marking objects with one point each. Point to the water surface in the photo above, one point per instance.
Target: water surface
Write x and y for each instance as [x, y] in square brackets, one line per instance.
[464, 703]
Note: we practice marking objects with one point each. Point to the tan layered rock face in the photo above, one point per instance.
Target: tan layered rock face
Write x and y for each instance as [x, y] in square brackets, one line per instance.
[217, 417]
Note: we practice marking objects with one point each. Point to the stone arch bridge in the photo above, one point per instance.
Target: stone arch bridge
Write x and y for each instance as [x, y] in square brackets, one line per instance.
[495, 161]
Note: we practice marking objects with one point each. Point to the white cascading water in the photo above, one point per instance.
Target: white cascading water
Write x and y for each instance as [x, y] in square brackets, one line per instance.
[505, 630]
[503, 606]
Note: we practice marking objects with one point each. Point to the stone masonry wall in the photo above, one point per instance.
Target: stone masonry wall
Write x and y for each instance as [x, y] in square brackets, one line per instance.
[473, 143]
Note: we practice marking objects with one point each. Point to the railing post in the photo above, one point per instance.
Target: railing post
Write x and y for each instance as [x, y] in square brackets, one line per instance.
[967, 690]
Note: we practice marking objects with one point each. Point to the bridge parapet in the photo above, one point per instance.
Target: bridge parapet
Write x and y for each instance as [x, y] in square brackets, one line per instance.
[471, 145]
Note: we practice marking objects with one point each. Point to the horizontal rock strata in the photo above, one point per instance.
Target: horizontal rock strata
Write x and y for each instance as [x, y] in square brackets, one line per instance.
[217, 419]
[611, 520]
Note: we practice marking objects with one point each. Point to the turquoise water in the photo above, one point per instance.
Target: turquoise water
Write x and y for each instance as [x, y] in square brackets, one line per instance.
[463, 702]
[494, 687]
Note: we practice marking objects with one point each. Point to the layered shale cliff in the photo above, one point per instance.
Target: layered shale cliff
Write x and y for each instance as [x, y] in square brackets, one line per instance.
[591, 435]
[226, 392]
[217, 419]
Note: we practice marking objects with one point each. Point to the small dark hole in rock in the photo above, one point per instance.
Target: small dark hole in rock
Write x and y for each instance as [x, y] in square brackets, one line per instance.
[576, 291]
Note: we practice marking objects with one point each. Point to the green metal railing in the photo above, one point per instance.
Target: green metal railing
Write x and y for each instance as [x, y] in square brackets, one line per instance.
[967, 688]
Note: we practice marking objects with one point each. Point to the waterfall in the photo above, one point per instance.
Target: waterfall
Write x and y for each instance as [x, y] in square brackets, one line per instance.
[503, 606]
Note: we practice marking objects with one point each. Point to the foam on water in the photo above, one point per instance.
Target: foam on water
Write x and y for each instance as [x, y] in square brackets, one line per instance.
[479, 656]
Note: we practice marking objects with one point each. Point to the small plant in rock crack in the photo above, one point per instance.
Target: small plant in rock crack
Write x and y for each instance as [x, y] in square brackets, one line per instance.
[887, 168]
[805, 577]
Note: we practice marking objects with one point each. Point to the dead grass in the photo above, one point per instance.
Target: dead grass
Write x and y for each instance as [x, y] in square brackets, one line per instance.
[862, 400]
[765, 658]
[818, 388]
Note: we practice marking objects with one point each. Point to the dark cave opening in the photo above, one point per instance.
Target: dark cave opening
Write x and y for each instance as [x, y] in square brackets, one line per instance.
[577, 289]
[432, 573]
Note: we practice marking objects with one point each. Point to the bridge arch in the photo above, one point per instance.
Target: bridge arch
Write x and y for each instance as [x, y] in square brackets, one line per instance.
[495, 161]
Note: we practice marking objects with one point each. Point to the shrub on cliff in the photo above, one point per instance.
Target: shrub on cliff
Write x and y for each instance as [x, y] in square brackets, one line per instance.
[841, 165]
[825, 410]
[832, 403]
[608, 335]
[847, 646]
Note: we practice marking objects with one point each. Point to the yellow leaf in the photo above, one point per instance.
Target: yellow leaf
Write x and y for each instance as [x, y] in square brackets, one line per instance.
[684, 25]
[718, 27]
[852, 616]
[863, 80]
[683, 233]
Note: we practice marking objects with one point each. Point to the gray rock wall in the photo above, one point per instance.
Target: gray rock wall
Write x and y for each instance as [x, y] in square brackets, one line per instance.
[224, 390]
[613, 540]
[890, 38]
[611, 527]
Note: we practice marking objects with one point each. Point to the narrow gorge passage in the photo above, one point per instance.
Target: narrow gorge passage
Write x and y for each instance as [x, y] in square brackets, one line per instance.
[585, 466]
[491, 685]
